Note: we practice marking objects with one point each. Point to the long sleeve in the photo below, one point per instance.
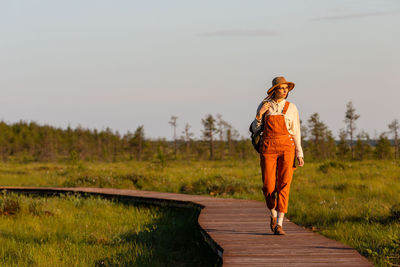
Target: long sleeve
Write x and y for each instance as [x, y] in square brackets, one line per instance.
[296, 129]
[256, 124]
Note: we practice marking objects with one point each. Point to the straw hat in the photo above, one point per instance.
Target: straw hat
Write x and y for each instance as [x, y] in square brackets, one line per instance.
[278, 81]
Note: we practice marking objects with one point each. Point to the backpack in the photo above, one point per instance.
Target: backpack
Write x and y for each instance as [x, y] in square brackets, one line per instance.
[256, 136]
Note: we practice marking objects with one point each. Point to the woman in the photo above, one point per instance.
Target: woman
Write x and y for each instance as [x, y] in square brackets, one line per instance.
[280, 146]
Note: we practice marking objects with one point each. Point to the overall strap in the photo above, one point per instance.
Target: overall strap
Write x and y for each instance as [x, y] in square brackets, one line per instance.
[285, 108]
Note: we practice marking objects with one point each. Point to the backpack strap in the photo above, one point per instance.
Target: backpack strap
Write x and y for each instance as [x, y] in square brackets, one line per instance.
[285, 108]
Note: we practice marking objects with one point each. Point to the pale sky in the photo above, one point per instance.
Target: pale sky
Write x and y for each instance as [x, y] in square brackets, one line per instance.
[121, 64]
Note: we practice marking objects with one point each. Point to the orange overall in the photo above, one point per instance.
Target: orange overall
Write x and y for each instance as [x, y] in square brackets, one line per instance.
[276, 159]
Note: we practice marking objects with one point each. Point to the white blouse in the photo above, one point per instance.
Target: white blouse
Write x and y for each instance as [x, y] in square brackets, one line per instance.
[292, 121]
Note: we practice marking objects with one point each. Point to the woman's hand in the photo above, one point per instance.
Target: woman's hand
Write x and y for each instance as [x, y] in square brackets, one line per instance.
[262, 110]
[300, 160]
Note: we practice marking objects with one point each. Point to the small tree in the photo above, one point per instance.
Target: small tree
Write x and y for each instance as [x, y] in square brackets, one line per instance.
[304, 131]
[222, 127]
[241, 147]
[394, 129]
[231, 135]
[304, 136]
[350, 120]
[329, 144]
[47, 145]
[342, 146]
[173, 123]
[136, 142]
[208, 132]
[383, 148]
[187, 137]
[362, 148]
[322, 144]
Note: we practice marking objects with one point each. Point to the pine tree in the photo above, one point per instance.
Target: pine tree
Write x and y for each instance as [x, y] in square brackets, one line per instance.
[322, 144]
[136, 141]
[394, 129]
[362, 147]
[222, 125]
[350, 120]
[383, 148]
[187, 137]
[343, 148]
[231, 137]
[208, 132]
[173, 123]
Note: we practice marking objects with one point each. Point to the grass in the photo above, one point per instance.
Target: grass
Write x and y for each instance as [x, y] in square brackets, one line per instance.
[230, 179]
[353, 202]
[71, 230]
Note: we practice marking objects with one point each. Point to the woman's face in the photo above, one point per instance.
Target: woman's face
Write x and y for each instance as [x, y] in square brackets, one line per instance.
[281, 91]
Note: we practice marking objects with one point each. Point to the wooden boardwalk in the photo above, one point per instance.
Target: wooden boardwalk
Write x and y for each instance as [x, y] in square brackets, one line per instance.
[238, 230]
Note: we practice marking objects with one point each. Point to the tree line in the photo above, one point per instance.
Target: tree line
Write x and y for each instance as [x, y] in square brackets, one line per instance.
[29, 141]
[319, 144]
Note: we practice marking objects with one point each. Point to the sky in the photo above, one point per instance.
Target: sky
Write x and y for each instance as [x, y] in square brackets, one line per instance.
[126, 63]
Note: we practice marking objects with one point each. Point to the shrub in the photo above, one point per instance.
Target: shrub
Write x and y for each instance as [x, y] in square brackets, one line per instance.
[216, 185]
[9, 204]
[395, 211]
[331, 164]
[138, 180]
[35, 208]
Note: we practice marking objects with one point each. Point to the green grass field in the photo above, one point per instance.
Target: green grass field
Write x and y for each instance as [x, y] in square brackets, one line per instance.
[356, 203]
[71, 230]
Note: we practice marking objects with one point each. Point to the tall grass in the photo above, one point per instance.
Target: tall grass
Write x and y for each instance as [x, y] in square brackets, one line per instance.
[71, 230]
